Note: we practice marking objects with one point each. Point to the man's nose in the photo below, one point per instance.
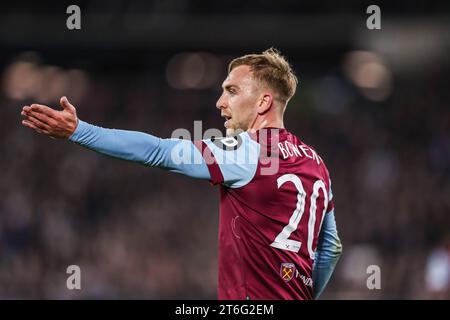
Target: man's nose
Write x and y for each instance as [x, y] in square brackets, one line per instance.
[220, 103]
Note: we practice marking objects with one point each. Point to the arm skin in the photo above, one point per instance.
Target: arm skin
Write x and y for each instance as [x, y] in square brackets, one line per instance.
[329, 250]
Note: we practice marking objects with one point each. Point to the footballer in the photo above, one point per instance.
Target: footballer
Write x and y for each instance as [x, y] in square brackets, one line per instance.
[277, 231]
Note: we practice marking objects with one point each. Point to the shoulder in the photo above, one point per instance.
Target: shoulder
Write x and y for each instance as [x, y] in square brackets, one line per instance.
[235, 157]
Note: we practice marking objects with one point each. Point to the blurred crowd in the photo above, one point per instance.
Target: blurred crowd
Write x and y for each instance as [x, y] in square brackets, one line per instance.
[139, 232]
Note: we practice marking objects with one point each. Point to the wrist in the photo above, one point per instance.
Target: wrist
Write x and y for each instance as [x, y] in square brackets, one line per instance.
[76, 131]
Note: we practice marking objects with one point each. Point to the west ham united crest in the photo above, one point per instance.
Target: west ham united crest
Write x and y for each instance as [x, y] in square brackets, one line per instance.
[287, 271]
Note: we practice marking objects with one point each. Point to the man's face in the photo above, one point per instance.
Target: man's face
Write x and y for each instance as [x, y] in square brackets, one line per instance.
[239, 100]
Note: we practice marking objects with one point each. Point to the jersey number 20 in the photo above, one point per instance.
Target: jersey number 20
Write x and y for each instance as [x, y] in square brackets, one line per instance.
[282, 241]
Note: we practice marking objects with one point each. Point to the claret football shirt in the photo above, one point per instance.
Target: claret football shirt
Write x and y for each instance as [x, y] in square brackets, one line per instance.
[274, 193]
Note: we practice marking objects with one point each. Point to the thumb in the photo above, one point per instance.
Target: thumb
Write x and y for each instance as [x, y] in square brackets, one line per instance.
[65, 104]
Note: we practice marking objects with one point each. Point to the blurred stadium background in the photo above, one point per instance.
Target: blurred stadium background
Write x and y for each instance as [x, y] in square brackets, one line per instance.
[375, 104]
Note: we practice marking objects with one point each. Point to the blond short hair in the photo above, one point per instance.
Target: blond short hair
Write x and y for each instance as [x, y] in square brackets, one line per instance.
[271, 68]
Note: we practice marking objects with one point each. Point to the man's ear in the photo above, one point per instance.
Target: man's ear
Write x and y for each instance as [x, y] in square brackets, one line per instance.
[265, 103]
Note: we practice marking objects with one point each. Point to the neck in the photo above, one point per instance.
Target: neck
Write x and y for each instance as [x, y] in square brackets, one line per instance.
[267, 121]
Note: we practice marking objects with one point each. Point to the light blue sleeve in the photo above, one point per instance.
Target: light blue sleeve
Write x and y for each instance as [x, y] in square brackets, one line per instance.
[329, 249]
[175, 155]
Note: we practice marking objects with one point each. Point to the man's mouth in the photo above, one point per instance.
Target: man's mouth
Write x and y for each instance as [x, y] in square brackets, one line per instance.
[227, 122]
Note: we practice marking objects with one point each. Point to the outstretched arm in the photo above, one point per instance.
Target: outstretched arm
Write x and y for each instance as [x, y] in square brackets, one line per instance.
[175, 155]
[329, 249]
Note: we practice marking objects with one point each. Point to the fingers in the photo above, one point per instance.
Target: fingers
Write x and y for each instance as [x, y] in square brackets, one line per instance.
[36, 122]
[39, 108]
[30, 125]
[39, 116]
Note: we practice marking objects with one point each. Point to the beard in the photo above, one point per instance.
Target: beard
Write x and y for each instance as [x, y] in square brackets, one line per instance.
[230, 132]
[234, 128]
[233, 131]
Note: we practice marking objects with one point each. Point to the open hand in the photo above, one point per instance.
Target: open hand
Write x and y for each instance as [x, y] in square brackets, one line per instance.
[56, 124]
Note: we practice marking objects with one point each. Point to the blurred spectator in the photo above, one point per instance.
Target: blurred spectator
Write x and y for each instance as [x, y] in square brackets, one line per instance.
[437, 272]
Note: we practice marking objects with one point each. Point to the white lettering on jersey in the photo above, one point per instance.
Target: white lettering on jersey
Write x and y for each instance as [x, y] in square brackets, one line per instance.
[288, 149]
[282, 150]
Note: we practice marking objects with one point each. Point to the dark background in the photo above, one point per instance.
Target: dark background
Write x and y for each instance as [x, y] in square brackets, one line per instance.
[374, 103]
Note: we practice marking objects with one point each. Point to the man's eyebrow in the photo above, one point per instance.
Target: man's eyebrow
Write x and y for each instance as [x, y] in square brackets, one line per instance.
[230, 86]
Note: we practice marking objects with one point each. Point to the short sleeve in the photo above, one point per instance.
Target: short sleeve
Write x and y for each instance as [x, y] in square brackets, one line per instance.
[231, 161]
